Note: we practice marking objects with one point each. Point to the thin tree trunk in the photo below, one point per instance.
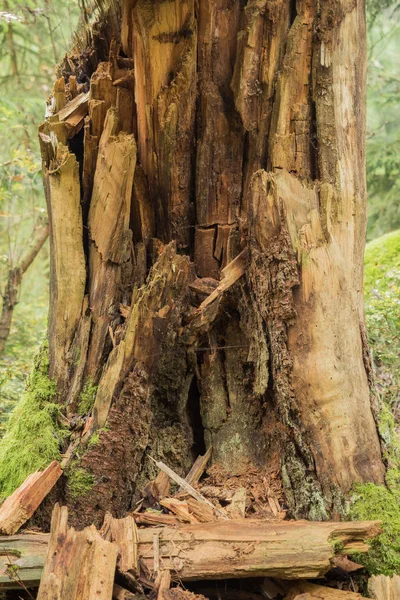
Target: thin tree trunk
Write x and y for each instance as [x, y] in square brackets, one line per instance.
[14, 279]
[10, 44]
[224, 129]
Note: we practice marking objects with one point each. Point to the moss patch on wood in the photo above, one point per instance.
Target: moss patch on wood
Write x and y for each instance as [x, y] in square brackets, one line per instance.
[80, 481]
[33, 436]
[87, 398]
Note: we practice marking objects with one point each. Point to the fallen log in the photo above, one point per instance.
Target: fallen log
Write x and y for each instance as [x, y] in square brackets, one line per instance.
[218, 550]
[79, 564]
[247, 548]
[20, 506]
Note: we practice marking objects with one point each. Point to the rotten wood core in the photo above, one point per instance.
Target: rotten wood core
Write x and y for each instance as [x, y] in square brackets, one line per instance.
[205, 184]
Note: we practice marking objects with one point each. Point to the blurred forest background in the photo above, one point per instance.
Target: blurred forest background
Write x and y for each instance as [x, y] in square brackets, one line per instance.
[35, 34]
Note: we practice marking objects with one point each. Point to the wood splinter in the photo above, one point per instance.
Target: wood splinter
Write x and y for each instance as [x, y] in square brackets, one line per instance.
[20, 506]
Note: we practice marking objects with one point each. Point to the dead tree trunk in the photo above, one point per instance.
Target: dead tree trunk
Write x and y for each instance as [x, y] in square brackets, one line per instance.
[201, 132]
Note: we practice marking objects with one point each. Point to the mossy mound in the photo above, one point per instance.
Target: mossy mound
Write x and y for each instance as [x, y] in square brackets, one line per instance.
[382, 304]
[376, 502]
[381, 256]
[33, 436]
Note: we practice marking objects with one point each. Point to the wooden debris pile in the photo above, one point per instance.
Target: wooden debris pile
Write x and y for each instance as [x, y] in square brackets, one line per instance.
[219, 496]
[219, 538]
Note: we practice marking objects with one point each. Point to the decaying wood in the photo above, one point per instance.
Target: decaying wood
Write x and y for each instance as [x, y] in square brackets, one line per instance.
[158, 488]
[201, 511]
[162, 583]
[231, 549]
[249, 170]
[382, 587]
[20, 506]
[180, 509]
[68, 259]
[187, 487]
[120, 593]
[230, 274]
[237, 507]
[112, 189]
[79, 564]
[218, 550]
[310, 591]
[155, 518]
[198, 468]
[345, 565]
[124, 533]
[25, 555]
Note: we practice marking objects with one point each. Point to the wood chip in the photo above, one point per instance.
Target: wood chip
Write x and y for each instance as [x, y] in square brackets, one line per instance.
[163, 583]
[237, 507]
[198, 468]
[20, 506]
[153, 518]
[179, 508]
[124, 533]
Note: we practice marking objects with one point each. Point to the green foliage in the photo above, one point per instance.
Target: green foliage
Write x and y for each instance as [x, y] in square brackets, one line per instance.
[40, 34]
[33, 436]
[80, 481]
[382, 307]
[383, 128]
[382, 303]
[87, 398]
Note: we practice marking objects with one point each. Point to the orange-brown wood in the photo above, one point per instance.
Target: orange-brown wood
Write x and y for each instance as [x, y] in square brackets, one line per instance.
[20, 506]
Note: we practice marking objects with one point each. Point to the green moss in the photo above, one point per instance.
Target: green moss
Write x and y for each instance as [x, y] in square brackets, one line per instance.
[94, 440]
[381, 255]
[372, 502]
[80, 481]
[87, 398]
[33, 436]
[337, 545]
[376, 502]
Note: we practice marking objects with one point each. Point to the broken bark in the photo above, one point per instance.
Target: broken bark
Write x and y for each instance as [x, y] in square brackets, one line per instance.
[78, 564]
[219, 550]
[20, 506]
